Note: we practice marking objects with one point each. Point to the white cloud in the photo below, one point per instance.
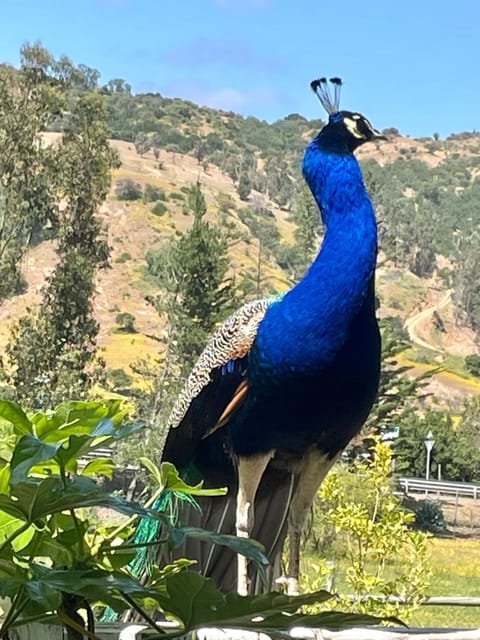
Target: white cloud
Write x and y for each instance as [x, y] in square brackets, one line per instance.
[226, 98]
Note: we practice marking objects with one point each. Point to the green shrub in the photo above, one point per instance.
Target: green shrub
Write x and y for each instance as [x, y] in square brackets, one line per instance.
[472, 364]
[152, 193]
[159, 209]
[126, 322]
[128, 189]
[429, 516]
[119, 378]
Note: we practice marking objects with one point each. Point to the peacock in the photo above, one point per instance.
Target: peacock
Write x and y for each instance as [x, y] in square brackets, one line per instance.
[285, 383]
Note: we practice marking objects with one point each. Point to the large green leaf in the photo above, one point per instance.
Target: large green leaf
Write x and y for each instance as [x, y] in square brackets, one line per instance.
[33, 500]
[246, 546]
[99, 466]
[12, 412]
[76, 418]
[8, 526]
[196, 602]
[93, 584]
[28, 452]
[43, 545]
[168, 477]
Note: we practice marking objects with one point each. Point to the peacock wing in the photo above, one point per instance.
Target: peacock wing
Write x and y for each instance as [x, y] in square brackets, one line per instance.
[217, 384]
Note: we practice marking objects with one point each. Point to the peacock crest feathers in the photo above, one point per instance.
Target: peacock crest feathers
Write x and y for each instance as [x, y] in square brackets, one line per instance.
[346, 130]
[230, 342]
[321, 89]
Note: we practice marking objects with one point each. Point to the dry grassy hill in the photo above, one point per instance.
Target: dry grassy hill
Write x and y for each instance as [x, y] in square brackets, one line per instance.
[133, 229]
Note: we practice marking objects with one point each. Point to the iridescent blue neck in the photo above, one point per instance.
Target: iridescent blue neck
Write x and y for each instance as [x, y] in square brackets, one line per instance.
[317, 313]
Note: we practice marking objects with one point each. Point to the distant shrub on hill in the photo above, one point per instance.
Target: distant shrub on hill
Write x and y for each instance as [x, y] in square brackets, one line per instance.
[128, 189]
[159, 209]
[472, 363]
[152, 193]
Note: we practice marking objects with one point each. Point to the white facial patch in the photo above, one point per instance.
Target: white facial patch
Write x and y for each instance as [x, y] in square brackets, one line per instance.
[351, 125]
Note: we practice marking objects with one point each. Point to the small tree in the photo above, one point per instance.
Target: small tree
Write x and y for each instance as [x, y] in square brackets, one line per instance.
[142, 143]
[128, 189]
[373, 537]
[244, 186]
[126, 322]
[193, 272]
[29, 101]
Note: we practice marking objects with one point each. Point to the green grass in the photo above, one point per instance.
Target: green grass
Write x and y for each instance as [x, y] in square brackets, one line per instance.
[456, 572]
[455, 565]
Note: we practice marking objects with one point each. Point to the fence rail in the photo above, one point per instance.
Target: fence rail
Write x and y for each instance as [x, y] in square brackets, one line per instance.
[439, 487]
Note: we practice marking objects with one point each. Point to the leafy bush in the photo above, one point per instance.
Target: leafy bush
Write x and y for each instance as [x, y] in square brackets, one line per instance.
[472, 363]
[57, 560]
[119, 378]
[429, 516]
[126, 322]
[262, 225]
[128, 189]
[152, 193]
[366, 528]
[159, 209]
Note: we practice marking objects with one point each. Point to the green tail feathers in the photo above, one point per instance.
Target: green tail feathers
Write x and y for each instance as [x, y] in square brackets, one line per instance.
[149, 530]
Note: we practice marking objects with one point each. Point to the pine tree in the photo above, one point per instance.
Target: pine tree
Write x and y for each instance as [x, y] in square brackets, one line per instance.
[195, 294]
[193, 272]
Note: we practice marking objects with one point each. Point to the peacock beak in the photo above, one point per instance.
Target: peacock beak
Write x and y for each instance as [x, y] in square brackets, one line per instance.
[377, 135]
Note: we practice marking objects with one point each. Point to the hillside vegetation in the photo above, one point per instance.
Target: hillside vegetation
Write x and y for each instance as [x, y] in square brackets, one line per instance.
[425, 190]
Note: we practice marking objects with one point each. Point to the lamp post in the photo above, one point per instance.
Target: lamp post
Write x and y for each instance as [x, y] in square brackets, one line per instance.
[429, 442]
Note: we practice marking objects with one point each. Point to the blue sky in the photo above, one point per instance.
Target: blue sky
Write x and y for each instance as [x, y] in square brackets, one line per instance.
[413, 64]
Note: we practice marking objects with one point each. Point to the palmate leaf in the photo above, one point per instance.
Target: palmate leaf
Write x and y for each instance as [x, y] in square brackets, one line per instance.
[12, 412]
[246, 546]
[8, 526]
[167, 477]
[196, 602]
[32, 500]
[28, 452]
[77, 418]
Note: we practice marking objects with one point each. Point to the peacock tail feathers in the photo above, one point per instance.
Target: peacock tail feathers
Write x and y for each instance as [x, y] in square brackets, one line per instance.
[149, 530]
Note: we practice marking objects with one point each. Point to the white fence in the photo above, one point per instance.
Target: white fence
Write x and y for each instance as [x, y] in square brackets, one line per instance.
[440, 488]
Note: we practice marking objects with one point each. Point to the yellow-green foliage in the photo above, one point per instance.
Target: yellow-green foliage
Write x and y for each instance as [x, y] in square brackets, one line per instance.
[368, 531]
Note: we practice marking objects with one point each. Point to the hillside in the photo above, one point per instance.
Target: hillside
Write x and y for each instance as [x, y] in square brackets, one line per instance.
[133, 229]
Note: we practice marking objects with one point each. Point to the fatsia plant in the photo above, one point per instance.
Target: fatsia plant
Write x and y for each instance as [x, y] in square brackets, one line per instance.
[54, 560]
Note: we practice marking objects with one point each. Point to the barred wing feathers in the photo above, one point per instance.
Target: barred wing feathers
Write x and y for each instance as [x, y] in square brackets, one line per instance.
[217, 383]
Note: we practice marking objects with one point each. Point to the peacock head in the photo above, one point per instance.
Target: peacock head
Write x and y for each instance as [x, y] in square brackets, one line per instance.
[345, 130]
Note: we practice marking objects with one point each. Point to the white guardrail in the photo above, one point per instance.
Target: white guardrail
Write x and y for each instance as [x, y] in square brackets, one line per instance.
[440, 487]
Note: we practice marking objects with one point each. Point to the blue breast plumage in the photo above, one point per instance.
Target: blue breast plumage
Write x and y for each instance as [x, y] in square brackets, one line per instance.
[291, 380]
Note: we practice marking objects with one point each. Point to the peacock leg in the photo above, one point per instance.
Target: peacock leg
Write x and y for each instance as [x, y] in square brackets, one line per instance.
[315, 467]
[250, 472]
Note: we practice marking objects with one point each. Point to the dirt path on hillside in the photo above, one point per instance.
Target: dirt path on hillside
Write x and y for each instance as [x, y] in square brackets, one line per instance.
[445, 384]
[411, 324]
